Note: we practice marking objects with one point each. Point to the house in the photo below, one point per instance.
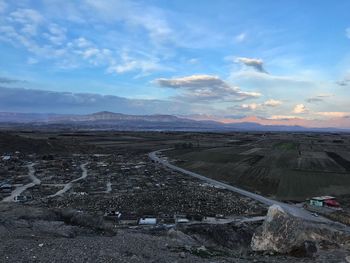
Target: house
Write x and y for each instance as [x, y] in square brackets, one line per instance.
[324, 201]
[148, 221]
[6, 157]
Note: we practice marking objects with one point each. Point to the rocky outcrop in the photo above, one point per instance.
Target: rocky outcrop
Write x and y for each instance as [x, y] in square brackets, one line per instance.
[232, 236]
[283, 233]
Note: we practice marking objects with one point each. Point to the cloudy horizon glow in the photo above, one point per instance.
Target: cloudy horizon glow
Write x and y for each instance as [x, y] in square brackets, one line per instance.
[290, 66]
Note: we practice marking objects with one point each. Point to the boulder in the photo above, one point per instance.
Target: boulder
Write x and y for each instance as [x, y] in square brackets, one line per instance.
[286, 234]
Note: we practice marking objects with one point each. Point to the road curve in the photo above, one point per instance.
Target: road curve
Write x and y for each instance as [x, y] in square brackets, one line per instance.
[69, 185]
[291, 209]
[19, 190]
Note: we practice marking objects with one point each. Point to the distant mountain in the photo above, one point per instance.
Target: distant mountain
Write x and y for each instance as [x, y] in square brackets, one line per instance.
[111, 116]
[14, 117]
[118, 121]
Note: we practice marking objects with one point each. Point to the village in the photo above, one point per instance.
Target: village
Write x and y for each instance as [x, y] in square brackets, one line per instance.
[127, 189]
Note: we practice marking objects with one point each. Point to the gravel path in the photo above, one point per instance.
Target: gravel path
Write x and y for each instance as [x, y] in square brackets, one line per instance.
[69, 185]
[19, 190]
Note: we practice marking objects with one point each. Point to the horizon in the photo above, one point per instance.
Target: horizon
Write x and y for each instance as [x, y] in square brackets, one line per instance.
[223, 62]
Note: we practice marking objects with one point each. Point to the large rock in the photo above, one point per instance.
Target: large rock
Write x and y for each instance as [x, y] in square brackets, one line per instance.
[235, 237]
[283, 233]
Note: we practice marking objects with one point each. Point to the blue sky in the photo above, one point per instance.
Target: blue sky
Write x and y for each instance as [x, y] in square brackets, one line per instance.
[276, 60]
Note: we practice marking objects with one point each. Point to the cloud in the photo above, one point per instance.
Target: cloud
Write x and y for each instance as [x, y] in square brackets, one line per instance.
[240, 37]
[314, 99]
[257, 64]
[133, 14]
[193, 61]
[27, 19]
[318, 98]
[33, 101]
[5, 80]
[347, 32]
[56, 34]
[300, 108]
[345, 81]
[206, 88]
[252, 106]
[145, 65]
[279, 86]
[49, 41]
[334, 114]
[283, 117]
[272, 103]
[26, 16]
[259, 106]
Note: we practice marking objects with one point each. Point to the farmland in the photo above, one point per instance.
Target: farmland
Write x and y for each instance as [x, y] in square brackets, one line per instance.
[279, 165]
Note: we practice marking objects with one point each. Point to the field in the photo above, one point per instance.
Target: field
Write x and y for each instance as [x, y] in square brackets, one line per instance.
[284, 166]
[280, 165]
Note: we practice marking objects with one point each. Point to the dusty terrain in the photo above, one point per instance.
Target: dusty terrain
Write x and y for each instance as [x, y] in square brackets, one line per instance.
[72, 181]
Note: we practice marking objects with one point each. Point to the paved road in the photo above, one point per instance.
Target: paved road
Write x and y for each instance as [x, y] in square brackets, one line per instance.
[291, 209]
[69, 185]
[19, 190]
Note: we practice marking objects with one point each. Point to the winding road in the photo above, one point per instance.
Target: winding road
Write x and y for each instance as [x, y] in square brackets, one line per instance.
[19, 190]
[291, 209]
[69, 185]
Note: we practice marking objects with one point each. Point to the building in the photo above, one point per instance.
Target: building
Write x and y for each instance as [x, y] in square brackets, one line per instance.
[324, 201]
[147, 221]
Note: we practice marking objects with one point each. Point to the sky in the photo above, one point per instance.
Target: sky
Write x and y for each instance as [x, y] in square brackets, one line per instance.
[272, 62]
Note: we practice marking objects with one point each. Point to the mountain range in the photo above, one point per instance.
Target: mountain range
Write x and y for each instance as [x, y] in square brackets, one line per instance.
[118, 121]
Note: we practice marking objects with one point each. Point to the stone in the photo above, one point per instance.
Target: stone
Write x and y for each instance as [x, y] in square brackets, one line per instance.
[285, 234]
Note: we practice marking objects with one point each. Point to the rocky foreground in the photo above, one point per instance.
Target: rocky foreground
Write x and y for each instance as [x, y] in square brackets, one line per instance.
[31, 234]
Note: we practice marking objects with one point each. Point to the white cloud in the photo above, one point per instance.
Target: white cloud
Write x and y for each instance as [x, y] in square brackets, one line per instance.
[240, 37]
[334, 114]
[56, 34]
[28, 20]
[284, 117]
[261, 106]
[206, 88]
[26, 16]
[300, 108]
[280, 86]
[147, 17]
[251, 106]
[144, 64]
[272, 103]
